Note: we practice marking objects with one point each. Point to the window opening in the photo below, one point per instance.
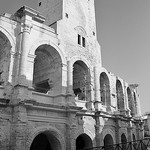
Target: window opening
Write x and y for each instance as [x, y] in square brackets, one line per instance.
[40, 3]
[83, 41]
[66, 15]
[79, 39]
[1, 81]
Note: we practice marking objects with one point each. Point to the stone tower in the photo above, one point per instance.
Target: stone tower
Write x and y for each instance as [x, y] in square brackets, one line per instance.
[74, 22]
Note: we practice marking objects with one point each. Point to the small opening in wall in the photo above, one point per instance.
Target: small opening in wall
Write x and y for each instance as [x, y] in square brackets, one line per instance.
[40, 3]
[66, 15]
[79, 39]
[93, 33]
[83, 41]
[1, 81]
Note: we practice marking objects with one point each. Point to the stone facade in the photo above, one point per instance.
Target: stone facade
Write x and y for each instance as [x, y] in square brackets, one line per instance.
[54, 91]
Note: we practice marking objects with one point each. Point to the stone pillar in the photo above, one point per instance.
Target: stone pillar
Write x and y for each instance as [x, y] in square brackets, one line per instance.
[138, 105]
[117, 130]
[97, 89]
[24, 46]
[69, 78]
[19, 128]
[129, 130]
[70, 93]
[64, 79]
[97, 130]
[71, 131]
[97, 84]
[11, 58]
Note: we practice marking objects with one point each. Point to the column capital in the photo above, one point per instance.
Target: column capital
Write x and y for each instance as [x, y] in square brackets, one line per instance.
[27, 28]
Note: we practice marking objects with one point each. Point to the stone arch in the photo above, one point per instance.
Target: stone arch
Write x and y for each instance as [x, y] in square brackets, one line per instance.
[90, 134]
[40, 42]
[108, 142]
[133, 137]
[80, 29]
[81, 132]
[120, 95]
[10, 37]
[52, 130]
[81, 77]
[81, 58]
[124, 141]
[121, 132]
[8, 50]
[130, 100]
[109, 131]
[52, 81]
[105, 89]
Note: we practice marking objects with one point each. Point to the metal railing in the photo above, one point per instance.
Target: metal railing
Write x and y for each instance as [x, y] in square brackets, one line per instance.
[143, 144]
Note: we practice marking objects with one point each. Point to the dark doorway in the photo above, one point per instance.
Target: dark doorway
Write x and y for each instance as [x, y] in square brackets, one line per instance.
[83, 141]
[40, 143]
[124, 141]
[108, 142]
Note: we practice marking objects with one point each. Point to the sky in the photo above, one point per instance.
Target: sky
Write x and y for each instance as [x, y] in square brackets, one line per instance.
[123, 31]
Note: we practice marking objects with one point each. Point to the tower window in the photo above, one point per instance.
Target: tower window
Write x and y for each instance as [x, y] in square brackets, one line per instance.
[83, 41]
[40, 3]
[79, 39]
[66, 15]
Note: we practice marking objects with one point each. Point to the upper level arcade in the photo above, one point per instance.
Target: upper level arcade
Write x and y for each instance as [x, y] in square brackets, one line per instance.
[118, 96]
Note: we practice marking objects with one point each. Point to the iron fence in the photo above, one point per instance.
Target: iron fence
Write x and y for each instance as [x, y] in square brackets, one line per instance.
[143, 144]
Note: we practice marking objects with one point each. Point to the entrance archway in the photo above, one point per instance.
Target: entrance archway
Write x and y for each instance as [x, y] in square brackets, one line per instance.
[83, 141]
[124, 141]
[45, 141]
[108, 142]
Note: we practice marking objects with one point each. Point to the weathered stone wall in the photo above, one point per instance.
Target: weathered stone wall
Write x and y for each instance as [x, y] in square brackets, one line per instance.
[26, 113]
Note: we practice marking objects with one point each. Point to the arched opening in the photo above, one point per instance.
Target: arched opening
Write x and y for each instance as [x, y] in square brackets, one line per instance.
[47, 69]
[134, 138]
[105, 89]
[135, 104]
[134, 141]
[120, 96]
[5, 48]
[45, 141]
[83, 141]
[108, 142]
[124, 141]
[81, 81]
[130, 100]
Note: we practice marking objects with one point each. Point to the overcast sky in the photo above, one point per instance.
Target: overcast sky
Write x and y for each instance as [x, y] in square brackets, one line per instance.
[123, 28]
